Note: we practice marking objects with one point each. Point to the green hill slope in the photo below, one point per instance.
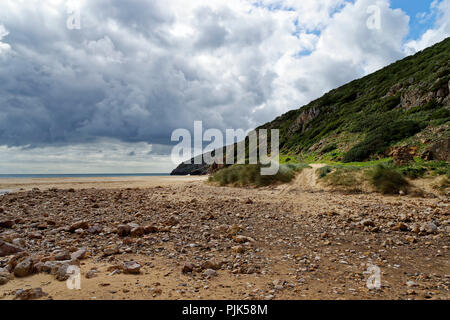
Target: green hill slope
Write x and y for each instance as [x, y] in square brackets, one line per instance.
[406, 102]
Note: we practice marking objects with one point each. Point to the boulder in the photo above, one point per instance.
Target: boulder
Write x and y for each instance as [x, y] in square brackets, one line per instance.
[24, 268]
[7, 249]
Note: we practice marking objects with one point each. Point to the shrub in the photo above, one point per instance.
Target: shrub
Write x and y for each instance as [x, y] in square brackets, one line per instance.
[377, 140]
[323, 172]
[250, 175]
[329, 148]
[387, 180]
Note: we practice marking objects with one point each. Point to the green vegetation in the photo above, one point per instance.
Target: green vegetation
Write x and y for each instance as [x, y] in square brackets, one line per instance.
[250, 175]
[362, 119]
[387, 180]
[346, 177]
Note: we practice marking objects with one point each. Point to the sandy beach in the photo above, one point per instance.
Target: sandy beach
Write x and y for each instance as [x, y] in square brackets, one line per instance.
[21, 184]
[181, 238]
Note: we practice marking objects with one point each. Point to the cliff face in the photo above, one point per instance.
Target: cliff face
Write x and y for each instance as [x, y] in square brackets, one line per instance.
[405, 104]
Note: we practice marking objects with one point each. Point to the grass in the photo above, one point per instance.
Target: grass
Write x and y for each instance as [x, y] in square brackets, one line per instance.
[387, 180]
[250, 175]
[340, 176]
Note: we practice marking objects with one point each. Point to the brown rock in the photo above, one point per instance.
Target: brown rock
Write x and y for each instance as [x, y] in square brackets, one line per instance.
[187, 268]
[79, 254]
[29, 294]
[6, 223]
[131, 267]
[123, 230]
[7, 249]
[79, 225]
[24, 268]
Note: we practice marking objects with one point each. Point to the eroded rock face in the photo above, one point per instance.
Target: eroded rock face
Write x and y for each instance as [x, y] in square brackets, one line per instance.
[441, 150]
[403, 155]
[304, 118]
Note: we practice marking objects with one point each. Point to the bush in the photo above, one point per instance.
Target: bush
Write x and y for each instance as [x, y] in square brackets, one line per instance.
[323, 172]
[387, 181]
[250, 175]
[377, 140]
[342, 177]
[329, 148]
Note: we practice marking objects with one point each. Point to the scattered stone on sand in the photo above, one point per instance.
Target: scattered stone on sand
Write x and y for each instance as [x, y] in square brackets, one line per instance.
[7, 249]
[131, 267]
[29, 294]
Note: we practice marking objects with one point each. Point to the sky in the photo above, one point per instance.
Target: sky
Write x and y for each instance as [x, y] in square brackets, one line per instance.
[98, 86]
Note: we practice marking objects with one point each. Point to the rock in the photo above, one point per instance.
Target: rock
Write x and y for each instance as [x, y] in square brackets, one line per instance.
[123, 230]
[29, 294]
[6, 224]
[187, 268]
[110, 250]
[415, 228]
[95, 229]
[79, 225]
[62, 273]
[19, 242]
[4, 278]
[441, 150]
[411, 284]
[429, 228]
[237, 249]
[24, 268]
[7, 249]
[61, 255]
[151, 228]
[210, 273]
[91, 274]
[403, 155]
[35, 235]
[368, 223]
[131, 267]
[79, 254]
[210, 264]
[137, 231]
[401, 227]
[243, 239]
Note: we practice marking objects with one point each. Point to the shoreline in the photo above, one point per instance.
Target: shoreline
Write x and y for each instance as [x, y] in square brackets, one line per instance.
[25, 184]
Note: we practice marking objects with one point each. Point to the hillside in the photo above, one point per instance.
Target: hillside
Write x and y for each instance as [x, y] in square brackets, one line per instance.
[404, 104]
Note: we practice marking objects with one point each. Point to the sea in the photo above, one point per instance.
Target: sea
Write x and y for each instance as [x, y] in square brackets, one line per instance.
[88, 175]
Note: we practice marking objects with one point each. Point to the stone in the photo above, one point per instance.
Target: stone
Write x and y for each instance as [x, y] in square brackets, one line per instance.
[24, 268]
[187, 268]
[137, 231]
[123, 230]
[210, 264]
[7, 249]
[210, 273]
[110, 250]
[243, 239]
[150, 229]
[368, 223]
[62, 273]
[35, 235]
[91, 274]
[79, 254]
[79, 225]
[429, 228]
[131, 267]
[237, 249]
[61, 255]
[19, 242]
[29, 294]
[6, 224]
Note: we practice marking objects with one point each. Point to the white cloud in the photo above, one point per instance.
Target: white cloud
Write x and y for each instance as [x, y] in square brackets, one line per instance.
[3, 46]
[439, 32]
[138, 69]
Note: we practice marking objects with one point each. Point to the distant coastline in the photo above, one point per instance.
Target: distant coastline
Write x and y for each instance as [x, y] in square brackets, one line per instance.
[87, 175]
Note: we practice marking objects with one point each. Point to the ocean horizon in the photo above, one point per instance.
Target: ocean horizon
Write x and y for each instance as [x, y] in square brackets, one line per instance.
[81, 175]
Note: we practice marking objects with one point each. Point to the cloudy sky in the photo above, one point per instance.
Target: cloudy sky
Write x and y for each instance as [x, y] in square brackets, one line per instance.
[104, 92]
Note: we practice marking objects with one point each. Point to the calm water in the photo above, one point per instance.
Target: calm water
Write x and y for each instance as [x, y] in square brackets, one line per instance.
[99, 175]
